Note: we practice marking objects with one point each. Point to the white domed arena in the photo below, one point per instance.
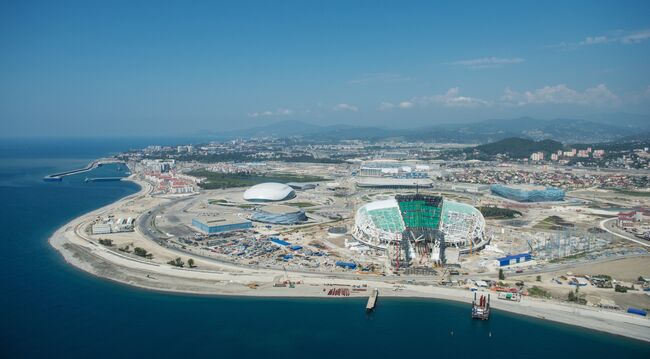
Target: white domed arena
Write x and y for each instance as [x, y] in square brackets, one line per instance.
[269, 192]
[384, 224]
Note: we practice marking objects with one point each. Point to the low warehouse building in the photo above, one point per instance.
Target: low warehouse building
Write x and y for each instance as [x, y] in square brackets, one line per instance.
[220, 224]
[514, 259]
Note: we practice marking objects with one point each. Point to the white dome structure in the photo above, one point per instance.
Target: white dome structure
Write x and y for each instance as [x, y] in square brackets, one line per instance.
[269, 192]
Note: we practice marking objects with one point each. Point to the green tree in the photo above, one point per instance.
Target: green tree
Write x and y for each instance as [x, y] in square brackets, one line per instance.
[178, 262]
[539, 278]
[106, 242]
[190, 262]
[571, 296]
[502, 276]
[139, 251]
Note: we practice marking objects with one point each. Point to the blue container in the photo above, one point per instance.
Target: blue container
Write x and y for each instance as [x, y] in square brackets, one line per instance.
[346, 265]
[279, 241]
[636, 311]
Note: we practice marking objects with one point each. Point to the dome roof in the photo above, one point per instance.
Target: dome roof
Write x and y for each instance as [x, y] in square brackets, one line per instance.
[267, 192]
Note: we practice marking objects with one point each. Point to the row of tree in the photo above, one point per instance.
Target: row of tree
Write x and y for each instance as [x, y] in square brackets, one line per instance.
[178, 262]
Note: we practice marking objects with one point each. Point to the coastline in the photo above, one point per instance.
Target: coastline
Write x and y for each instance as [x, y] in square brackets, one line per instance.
[232, 281]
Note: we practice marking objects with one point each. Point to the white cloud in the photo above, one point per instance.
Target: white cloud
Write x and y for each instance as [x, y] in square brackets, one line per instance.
[377, 77]
[345, 107]
[635, 37]
[385, 106]
[618, 36]
[487, 62]
[642, 97]
[278, 112]
[452, 98]
[595, 40]
[406, 104]
[598, 95]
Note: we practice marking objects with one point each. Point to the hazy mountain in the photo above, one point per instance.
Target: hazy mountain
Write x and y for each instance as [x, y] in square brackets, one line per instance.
[605, 129]
[515, 147]
[622, 119]
[276, 129]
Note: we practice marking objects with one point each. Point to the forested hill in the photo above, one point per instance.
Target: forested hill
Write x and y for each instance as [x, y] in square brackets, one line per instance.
[514, 147]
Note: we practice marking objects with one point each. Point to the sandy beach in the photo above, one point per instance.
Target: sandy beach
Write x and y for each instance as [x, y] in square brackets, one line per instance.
[212, 278]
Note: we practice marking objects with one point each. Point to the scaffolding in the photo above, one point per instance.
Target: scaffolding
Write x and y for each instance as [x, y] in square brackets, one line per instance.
[565, 243]
[421, 242]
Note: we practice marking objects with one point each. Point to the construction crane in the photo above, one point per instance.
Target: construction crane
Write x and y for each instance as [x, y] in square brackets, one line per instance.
[470, 229]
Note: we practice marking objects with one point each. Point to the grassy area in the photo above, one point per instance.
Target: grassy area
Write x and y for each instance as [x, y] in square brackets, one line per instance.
[217, 201]
[538, 292]
[498, 213]
[246, 206]
[571, 257]
[230, 180]
[553, 223]
[301, 204]
[633, 193]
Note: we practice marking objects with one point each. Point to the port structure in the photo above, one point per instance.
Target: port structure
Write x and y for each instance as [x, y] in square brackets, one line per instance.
[58, 177]
[481, 308]
[372, 300]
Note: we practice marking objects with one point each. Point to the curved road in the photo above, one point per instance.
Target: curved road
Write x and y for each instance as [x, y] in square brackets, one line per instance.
[603, 226]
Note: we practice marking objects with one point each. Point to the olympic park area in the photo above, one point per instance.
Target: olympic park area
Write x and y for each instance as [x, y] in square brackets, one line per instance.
[264, 208]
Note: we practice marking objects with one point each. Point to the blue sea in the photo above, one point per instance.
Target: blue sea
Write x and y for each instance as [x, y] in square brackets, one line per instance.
[49, 309]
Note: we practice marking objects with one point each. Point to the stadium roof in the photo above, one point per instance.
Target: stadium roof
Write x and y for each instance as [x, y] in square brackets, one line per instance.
[268, 192]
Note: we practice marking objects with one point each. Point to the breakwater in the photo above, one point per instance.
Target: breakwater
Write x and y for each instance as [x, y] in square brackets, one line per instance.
[58, 177]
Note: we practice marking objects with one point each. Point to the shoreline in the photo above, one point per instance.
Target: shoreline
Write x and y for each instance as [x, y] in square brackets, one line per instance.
[227, 281]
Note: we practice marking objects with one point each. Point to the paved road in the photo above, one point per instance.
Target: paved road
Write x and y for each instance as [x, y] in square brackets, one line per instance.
[603, 225]
[562, 266]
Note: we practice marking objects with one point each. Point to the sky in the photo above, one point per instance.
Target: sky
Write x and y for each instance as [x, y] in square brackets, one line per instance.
[105, 68]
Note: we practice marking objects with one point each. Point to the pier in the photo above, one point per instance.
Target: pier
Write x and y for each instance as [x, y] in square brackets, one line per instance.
[58, 177]
[102, 179]
[372, 300]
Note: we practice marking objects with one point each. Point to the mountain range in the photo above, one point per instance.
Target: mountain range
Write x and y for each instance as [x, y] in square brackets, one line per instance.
[602, 128]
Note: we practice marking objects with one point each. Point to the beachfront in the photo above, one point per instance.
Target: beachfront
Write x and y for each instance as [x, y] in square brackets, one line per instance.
[218, 278]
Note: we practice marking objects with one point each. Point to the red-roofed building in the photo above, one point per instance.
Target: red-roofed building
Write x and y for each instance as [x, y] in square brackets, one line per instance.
[628, 219]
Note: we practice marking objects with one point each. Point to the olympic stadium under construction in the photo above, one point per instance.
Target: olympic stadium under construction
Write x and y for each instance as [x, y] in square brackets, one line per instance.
[416, 229]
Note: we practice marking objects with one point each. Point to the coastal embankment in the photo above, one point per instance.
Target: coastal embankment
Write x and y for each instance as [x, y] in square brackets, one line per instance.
[212, 278]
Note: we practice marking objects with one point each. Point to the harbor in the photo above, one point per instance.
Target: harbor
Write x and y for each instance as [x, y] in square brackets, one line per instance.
[102, 179]
[372, 300]
[58, 177]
